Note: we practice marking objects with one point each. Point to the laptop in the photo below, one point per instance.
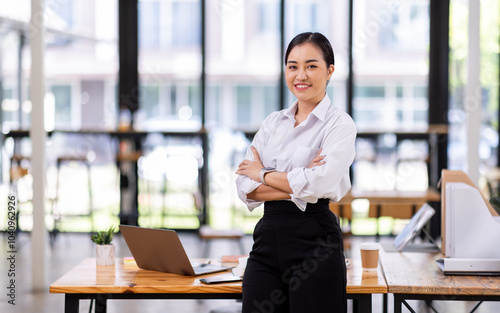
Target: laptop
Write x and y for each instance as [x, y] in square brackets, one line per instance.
[161, 250]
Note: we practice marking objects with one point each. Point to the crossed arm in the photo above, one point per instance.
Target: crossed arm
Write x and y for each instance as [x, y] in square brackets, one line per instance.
[278, 187]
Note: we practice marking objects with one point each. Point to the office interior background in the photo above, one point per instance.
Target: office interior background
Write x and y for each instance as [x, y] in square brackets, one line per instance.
[209, 71]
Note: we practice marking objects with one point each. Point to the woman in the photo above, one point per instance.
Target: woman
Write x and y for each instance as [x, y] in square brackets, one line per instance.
[299, 161]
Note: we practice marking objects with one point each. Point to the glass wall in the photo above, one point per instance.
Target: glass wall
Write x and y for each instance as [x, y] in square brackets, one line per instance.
[243, 62]
[81, 69]
[81, 64]
[390, 67]
[170, 101]
[13, 54]
[241, 65]
[243, 75]
[81, 60]
[489, 79]
[391, 57]
[169, 65]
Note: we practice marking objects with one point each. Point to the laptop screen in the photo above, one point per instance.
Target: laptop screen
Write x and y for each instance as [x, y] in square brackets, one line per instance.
[161, 250]
[417, 222]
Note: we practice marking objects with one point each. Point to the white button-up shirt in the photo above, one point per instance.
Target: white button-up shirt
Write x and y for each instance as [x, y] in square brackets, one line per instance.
[291, 149]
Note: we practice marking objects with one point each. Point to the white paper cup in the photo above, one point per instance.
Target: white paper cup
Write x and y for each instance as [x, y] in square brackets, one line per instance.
[369, 255]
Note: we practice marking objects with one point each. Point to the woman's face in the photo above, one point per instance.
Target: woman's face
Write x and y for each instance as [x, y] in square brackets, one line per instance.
[307, 73]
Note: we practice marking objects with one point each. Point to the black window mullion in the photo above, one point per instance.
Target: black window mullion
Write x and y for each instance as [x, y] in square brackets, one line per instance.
[350, 75]
[128, 46]
[282, 90]
[438, 83]
[203, 179]
[128, 98]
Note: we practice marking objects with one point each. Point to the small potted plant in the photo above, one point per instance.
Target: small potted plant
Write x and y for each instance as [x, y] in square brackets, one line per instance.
[104, 251]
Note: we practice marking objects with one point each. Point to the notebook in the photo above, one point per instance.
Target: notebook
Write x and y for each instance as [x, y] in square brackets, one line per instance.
[161, 250]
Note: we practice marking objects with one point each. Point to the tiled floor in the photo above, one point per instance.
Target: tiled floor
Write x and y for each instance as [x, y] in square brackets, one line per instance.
[70, 249]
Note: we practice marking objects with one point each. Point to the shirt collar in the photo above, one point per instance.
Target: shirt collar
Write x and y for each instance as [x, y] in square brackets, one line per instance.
[319, 111]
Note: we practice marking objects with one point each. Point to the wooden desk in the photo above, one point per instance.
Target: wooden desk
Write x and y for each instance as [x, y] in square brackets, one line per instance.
[127, 281]
[416, 276]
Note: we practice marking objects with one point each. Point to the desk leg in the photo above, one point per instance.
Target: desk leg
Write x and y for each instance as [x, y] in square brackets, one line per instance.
[384, 303]
[71, 303]
[101, 304]
[397, 303]
[362, 303]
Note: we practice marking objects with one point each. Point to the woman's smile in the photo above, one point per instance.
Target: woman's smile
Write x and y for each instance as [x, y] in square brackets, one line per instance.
[301, 87]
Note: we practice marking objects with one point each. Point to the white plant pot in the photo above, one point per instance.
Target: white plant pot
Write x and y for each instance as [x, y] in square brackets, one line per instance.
[105, 254]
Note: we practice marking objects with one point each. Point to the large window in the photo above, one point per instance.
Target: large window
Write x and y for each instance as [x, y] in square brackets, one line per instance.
[81, 65]
[243, 74]
[390, 51]
[169, 65]
[390, 73]
[169, 24]
[15, 109]
[489, 78]
[243, 62]
[236, 75]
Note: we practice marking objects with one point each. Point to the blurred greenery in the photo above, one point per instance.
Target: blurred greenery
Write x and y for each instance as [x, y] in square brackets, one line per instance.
[490, 51]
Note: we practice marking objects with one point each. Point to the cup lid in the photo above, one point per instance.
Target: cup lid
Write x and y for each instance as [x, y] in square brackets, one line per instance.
[369, 246]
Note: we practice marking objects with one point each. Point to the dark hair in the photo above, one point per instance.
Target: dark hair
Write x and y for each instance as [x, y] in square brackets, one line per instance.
[317, 39]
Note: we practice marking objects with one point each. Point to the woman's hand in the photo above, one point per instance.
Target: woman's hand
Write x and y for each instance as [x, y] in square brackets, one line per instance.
[318, 160]
[251, 169]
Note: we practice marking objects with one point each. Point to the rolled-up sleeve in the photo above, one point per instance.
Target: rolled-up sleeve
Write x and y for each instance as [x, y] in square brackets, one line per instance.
[245, 185]
[330, 180]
